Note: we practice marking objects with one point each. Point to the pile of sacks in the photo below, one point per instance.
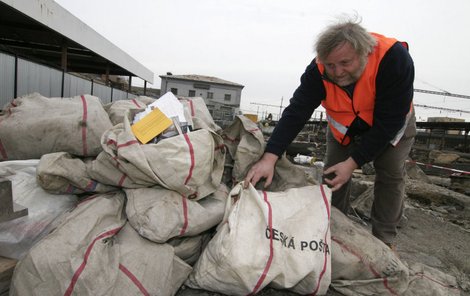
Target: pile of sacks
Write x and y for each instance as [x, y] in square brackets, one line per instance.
[146, 219]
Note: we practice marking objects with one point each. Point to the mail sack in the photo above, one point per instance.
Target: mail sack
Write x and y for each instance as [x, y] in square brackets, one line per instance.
[190, 164]
[280, 239]
[34, 125]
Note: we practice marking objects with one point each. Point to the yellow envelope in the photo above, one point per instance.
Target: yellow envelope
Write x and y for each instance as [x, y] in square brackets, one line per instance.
[151, 126]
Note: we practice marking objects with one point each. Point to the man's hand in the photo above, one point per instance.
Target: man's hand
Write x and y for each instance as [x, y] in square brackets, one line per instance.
[343, 172]
[264, 168]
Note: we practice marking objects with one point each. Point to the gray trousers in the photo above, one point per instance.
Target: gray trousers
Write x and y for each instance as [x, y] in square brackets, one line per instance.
[389, 185]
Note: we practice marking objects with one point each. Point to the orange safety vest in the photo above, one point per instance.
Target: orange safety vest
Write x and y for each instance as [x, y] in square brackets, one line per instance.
[341, 110]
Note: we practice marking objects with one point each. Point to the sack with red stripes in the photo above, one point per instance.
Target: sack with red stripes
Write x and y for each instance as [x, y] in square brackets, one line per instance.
[199, 117]
[280, 239]
[118, 109]
[364, 265]
[62, 173]
[245, 144]
[93, 253]
[191, 164]
[33, 125]
[160, 214]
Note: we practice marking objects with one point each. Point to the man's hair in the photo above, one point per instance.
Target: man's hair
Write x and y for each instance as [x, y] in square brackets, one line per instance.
[349, 31]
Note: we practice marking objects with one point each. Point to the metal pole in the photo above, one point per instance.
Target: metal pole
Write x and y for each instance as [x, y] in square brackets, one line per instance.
[280, 108]
[15, 86]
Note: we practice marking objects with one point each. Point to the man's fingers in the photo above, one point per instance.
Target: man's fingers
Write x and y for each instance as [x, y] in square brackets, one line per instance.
[268, 181]
[328, 170]
[336, 187]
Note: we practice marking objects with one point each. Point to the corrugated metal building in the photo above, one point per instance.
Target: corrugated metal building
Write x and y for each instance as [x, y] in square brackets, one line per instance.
[43, 47]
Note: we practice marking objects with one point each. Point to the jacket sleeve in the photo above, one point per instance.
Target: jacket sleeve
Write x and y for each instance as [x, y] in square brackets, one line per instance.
[306, 99]
[394, 94]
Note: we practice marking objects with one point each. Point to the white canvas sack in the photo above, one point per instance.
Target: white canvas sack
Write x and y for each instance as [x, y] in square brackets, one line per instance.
[33, 125]
[62, 173]
[191, 164]
[146, 268]
[364, 265]
[245, 143]
[93, 253]
[78, 257]
[199, 116]
[280, 239]
[117, 110]
[159, 214]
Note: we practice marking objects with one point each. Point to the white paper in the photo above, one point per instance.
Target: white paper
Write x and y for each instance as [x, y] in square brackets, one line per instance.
[168, 104]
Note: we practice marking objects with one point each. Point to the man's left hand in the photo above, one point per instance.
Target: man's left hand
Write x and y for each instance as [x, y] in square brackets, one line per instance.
[343, 172]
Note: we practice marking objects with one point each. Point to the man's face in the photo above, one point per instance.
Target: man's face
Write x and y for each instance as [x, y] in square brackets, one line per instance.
[343, 65]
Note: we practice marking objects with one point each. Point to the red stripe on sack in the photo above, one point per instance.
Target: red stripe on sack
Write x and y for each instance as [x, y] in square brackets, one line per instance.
[111, 141]
[132, 142]
[185, 215]
[271, 247]
[322, 273]
[3, 152]
[132, 277]
[191, 154]
[219, 147]
[69, 189]
[230, 139]
[84, 125]
[121, 181]
[192, 108]
[253, 130]
[135, 103]
[371, 268]
[80, 269]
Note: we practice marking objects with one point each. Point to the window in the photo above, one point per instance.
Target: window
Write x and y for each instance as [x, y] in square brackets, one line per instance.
[174, 91]
[192, 93]
[210, 95]
[227, 97]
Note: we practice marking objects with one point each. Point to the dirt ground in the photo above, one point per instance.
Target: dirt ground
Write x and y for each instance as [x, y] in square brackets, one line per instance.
[427, 237]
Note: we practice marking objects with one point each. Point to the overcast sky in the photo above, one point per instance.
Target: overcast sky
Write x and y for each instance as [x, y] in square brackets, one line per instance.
[266, 44]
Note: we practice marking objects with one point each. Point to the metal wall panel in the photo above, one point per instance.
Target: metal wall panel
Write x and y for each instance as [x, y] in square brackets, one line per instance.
[7, 78]
[76, 86]
[33, 77]
[103, 92]
[119, 95]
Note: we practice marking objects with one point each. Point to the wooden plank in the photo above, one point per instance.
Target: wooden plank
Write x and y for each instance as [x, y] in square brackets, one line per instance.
[7, 266]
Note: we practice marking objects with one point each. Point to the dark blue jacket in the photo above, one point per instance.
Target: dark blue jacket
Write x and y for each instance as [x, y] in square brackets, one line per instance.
[394, 94]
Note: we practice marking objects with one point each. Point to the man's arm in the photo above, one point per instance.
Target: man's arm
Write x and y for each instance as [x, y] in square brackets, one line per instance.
[306, 99]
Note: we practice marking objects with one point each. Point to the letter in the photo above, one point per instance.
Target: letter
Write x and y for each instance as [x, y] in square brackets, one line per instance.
[275, 234]
[291, 243]
[303, 244]
[283, 239]
[268, 233]
[316, 245]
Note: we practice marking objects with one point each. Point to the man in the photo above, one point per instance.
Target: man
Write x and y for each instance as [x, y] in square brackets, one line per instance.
[365, 83]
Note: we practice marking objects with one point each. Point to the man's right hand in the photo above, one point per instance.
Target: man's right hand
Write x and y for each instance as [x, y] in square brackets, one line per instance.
[264, 168]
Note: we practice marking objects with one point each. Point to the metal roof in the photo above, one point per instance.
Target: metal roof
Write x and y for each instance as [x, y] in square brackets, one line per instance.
[42, 29]
[201, 78]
